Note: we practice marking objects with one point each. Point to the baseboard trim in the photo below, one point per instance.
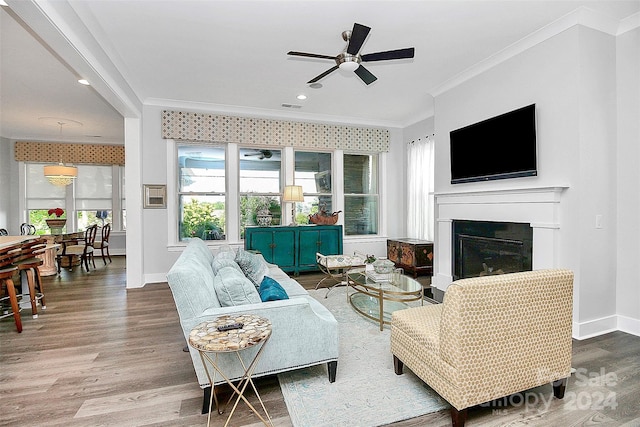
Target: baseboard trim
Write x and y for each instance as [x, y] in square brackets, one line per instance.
[629, 325]
[605, 325]
[155, 278]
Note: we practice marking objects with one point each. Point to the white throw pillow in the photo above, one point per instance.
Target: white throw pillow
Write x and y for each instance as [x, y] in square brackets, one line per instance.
[253, 266]
[233, 288]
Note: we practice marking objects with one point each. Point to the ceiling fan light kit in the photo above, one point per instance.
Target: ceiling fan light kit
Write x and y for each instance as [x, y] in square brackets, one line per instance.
[350, 59]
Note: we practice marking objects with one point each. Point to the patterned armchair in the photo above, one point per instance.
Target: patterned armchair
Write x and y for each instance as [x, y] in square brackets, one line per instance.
[491, 337]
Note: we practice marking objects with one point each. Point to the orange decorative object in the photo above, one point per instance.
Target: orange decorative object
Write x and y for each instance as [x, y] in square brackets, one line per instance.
[323, 218]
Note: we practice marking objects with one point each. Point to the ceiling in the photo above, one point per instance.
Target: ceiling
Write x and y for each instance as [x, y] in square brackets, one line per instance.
[231, 56]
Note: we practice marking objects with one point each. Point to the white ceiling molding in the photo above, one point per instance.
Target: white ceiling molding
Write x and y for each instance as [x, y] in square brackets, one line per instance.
[581, 16]
[629, 23]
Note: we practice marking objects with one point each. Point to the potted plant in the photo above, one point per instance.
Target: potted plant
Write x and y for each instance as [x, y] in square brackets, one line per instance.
[56, 224]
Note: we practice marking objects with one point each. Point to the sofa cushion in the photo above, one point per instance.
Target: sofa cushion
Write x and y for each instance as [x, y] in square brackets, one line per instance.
[199, 247]
[271, 290]
[226, 255]
[290, 285]
[220, 262]
[191, 282]
[233, 288]
[253, 266]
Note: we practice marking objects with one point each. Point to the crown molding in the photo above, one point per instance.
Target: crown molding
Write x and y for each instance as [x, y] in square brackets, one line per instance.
[629, 23]
[580, 16]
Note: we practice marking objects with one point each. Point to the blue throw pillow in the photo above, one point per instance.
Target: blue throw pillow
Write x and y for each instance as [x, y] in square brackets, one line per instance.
[270, 290]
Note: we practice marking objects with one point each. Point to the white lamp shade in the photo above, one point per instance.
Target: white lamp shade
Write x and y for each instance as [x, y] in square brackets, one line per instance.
[60, 174]
[293, 193]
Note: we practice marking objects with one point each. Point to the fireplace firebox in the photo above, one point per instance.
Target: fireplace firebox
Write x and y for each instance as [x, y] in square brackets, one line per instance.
[484, 248]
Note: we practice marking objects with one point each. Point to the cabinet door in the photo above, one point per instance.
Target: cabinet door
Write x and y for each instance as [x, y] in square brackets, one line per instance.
[326, 240]
[330, 241]
[308, 245]
[262, 241]
[284, 249]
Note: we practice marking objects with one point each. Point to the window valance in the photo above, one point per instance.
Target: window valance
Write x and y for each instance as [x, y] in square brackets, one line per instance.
[185, 126]
[52, 152]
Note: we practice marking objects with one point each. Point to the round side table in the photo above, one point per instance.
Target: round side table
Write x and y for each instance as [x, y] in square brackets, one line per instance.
[209, 340]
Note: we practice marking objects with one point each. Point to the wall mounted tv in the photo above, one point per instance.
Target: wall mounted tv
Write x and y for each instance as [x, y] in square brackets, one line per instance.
[497, 148]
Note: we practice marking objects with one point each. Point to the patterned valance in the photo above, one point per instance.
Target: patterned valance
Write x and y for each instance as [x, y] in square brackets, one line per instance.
[185, 126]
[51, 152]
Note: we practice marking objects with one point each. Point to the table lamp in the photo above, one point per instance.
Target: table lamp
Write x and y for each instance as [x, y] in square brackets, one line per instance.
[293, 194]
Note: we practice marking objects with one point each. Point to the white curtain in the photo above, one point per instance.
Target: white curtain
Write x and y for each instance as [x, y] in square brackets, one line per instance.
[420, 200]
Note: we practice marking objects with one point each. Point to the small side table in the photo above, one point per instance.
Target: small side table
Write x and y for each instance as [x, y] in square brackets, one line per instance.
[206, 338]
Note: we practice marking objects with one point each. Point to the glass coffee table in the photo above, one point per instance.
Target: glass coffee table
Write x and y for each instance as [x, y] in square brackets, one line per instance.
[377, 298]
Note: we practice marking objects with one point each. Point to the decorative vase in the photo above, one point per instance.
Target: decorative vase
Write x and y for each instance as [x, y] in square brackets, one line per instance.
[263, 217]
[56, 225]
[264, 220]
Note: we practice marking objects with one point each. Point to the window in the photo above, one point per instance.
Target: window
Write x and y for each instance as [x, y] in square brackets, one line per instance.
[260, 184]
[313, 173]
[201, 192]
[360, 194]
[93, 191]
[42, 196]
[89, 200]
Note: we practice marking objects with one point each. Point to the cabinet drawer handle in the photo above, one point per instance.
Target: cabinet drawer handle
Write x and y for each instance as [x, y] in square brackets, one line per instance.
[272, 245]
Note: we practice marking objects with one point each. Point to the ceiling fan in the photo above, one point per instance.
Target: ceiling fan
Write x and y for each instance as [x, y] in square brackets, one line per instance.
[349, 59]
[261, 154]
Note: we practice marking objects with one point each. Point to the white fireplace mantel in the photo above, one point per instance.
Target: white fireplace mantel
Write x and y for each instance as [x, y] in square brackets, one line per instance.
[537, 206]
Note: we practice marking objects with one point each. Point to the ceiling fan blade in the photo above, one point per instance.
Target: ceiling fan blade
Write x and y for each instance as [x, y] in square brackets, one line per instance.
[358, 36]
[311, 55]
[365, 75]
[326, 73]
[390, 54]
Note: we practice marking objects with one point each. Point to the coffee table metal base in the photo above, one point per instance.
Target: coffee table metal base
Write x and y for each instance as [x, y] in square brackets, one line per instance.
[377, 300]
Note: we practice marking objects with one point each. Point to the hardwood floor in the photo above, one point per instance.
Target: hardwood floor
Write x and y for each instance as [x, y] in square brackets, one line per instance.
[102, 355]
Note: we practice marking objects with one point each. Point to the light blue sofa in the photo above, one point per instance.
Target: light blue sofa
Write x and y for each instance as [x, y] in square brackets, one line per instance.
[304, 332]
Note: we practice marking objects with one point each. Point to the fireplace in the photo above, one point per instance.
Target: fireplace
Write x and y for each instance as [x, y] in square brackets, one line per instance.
[536, 208]
[482, 248]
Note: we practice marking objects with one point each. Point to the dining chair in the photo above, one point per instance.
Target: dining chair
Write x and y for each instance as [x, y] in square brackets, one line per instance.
[84, 250]
[7, 270]
[27, 229]
[103, 243]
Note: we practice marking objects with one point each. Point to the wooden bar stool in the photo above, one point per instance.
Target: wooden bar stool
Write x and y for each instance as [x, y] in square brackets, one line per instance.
[6, 279]
[28, 262]
[7, 270]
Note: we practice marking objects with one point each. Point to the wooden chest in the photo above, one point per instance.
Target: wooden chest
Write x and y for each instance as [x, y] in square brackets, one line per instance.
[413, 255]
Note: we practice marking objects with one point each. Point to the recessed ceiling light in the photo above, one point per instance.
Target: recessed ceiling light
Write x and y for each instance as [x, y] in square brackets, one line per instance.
[315, 85]
[301, 96]
[83, 82]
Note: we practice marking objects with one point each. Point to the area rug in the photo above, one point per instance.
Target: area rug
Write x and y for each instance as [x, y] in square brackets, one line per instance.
[367, 392]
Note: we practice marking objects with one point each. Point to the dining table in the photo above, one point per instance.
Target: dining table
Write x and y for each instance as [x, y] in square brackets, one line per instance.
[55, 243]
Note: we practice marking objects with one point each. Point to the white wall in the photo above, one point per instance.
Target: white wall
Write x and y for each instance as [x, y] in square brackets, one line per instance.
[159, 254]
[8, 182]
[628, 181]
[571, 79]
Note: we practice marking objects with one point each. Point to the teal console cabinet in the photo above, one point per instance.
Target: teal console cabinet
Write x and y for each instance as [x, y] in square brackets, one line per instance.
[294, 249]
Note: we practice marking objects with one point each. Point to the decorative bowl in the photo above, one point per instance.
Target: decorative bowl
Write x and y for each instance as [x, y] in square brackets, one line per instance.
[383, 266]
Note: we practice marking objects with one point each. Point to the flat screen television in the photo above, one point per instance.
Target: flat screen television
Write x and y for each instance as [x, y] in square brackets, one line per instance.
[497, 148]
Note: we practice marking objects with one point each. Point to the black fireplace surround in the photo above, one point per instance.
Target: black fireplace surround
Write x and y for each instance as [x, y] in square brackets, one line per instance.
[482, 248]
